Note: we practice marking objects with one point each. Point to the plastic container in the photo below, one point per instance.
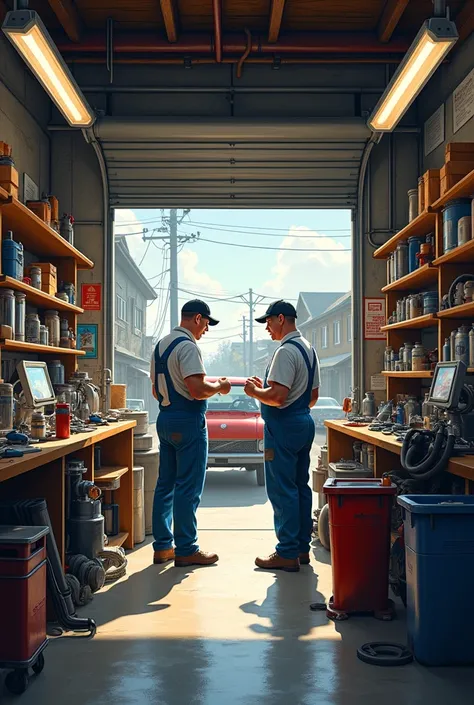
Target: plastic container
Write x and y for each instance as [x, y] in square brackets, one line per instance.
[418, 358]
[452, 212]
[12, 257]
[359, 521]
[6, 407]
[414, 245]
[464, 229]
[63, 420]
[52, 322]
[44, 335]
[20, 315]
[32, 328]
[439, 549]
[7, 308]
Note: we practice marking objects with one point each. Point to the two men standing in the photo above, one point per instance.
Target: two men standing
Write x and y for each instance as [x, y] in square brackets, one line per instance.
[286, 394]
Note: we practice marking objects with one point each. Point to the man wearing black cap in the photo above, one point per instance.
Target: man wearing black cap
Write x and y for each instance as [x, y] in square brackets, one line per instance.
[290, 388]
[177, 374]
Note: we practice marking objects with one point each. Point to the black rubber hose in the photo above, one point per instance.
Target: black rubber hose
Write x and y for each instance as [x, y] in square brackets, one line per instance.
[409, 449]
[442, 462]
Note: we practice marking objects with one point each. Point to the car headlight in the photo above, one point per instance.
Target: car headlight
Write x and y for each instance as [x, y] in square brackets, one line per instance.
[260, 446]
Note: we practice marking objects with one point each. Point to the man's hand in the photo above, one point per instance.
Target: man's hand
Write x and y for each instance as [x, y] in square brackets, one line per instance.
[257, 382]
[250, 388]
[225, 385]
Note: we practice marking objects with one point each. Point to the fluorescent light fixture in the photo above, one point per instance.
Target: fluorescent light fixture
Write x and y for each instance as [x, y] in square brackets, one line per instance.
[432, 43]
[30, 38]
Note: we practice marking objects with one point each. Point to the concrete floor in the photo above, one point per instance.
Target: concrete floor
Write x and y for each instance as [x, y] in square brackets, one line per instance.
[229, 634]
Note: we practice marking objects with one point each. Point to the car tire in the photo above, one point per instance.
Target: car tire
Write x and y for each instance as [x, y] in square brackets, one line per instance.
[261, 476]
[323, 528]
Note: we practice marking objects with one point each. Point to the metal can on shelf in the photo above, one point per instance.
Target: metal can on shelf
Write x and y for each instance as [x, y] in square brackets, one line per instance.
[7, 308]
[44, 335]
[414, 245]
[430, 302]
[416, 305]
[56, 372]
[401, 254]
[464, 229]
[462, 345]
[32, 328]
[387, 358]
[407, 356]
[418, 358]
[412, 204]
[35, 276]
[51, 319]
[38, 425]
[20, 315]
[6, 407]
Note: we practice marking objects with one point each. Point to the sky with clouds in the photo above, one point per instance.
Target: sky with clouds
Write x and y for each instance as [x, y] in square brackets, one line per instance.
[314, 256]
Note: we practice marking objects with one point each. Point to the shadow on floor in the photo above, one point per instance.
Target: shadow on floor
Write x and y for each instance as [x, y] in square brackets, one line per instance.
[232, 488]
[320, 553]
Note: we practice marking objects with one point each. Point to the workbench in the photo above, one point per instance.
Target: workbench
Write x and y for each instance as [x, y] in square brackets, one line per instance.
[43, 475]
[386, 450]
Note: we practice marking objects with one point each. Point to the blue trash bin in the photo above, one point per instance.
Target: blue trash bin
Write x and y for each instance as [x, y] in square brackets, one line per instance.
[439, 549]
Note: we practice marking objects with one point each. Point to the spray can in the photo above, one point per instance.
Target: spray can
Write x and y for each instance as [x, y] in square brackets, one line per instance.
[452, 345]
[471, 346]
[447, 349]
[400, 414]
[462, 345]
[66, 228]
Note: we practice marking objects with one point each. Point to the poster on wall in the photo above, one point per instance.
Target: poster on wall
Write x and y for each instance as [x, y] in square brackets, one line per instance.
[91, 297]
[463, 102]
[30, 189]
[434, 130]
[87, 334]
[374, 318]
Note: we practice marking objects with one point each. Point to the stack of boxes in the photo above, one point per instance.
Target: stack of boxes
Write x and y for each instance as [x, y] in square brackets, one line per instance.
[459, 161]
[8, 174]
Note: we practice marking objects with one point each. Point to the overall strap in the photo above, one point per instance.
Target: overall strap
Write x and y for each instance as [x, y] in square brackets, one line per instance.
[161, 366]
[310, 367]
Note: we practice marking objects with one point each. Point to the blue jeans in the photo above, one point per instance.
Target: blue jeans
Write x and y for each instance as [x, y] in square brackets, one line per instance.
[183, 461]
[287, 458]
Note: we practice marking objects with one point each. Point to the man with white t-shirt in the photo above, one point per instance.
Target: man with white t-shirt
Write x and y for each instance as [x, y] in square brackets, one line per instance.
[178, 379]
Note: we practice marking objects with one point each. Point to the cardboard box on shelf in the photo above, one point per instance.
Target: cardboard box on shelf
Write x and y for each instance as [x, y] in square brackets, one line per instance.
[49, 277]
[459, 151]
[432, 186]
[452, 172]
[9, 179]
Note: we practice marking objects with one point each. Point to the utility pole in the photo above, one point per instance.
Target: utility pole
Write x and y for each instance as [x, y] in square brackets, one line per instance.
[244, 337]
[251, 332]
[174, 268]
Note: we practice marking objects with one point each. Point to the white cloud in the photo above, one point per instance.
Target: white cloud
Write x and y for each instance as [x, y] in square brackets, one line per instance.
[126, 222]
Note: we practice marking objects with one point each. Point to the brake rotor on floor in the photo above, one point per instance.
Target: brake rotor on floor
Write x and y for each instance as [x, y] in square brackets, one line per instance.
[381, 653]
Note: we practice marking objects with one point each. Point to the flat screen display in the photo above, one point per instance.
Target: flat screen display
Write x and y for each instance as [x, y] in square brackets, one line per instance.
[39, 383]
[443, 383]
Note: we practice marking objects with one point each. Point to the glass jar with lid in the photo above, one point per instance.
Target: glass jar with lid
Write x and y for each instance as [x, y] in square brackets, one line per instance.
[52, 322]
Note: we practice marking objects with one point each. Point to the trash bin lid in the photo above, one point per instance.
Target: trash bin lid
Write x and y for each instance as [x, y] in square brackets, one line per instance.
[22, 534]
[437, 503]
[357, 485]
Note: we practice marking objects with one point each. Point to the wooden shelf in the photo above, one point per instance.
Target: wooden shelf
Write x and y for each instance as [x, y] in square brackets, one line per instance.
[118, 540]
[423, 374]
[17, 346]
[422, 225]
[424, 276]
[419, 322]
[459, 255]
[463, 189]
[37, 297]
[107, 474]
[36, 236]
[463, 311]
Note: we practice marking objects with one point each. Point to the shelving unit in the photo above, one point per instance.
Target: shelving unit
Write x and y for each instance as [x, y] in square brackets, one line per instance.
[36, 297]
[435, 276]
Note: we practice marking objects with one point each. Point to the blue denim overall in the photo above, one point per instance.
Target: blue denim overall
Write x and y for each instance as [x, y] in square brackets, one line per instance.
[289, 435]
[182, 431]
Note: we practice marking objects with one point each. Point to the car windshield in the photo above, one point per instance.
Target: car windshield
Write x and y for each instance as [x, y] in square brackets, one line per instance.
[135, 404]
[236, 400]
[328, 401]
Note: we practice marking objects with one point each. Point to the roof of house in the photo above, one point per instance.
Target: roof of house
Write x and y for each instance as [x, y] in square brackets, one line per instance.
[315, 302]
[133, 270]
[339, 302]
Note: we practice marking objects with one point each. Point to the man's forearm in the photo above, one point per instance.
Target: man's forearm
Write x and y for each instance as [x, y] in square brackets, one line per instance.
[208, 389]
[268, 396]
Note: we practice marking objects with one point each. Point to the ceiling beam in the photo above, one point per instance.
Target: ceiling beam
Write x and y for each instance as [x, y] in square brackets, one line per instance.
[217, 13]
[390, 17]
[69, 18]
[276, 16]
[465, 20]
[170, 18]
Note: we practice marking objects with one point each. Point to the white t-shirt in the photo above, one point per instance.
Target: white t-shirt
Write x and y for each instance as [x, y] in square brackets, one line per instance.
[184, 361]
[289, 368]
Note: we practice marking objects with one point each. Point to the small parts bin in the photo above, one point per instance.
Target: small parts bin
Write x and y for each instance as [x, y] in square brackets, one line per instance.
[439, 549]
[23, 602]
[359, 520]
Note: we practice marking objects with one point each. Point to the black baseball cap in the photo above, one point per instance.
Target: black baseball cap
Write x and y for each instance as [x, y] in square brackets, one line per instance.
[198, 306]
[276, 308]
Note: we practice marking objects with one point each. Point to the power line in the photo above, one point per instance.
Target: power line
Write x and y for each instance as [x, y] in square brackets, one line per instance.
[285, 233]
[278, 249]
[258, 227]
[224, 226]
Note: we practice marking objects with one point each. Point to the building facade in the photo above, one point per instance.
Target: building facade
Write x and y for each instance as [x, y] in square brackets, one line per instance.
[330, 331]
[133, 348]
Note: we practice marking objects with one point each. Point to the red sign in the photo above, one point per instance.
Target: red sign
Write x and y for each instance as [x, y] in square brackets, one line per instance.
[91, 297]
[374, 318]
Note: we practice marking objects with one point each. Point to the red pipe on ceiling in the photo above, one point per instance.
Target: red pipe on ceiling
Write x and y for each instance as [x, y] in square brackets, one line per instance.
[217, 12]
[292, 43]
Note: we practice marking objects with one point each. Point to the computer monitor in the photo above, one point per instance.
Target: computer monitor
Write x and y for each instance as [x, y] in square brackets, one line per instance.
[36, 383]
[447, 384]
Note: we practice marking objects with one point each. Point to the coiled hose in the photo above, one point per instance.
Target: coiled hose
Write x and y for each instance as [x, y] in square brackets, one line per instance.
[421, 457]
[114, 561]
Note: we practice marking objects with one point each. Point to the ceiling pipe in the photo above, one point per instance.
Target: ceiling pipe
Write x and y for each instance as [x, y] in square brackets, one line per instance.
[156, 60]
[245, 55]
[299, 43]
[217, 12]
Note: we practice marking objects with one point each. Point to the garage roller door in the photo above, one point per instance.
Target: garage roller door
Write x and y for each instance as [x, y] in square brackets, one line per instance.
[156, 163]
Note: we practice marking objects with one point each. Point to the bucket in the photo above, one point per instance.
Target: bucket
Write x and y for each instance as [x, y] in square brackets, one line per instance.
[150, 460]
[143, 442]
[141, 417]
[452, 212]
[138, 503]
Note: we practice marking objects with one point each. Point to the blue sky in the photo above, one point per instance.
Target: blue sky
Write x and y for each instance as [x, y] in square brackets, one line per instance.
[222, 271]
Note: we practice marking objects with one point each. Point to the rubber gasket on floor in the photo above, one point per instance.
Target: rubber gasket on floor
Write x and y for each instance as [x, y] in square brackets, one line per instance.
[381, 653]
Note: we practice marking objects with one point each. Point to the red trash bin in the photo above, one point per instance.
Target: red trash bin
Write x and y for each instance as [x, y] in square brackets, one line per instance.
[359, 522]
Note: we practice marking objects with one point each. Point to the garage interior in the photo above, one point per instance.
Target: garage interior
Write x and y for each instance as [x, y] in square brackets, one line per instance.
[215, 104]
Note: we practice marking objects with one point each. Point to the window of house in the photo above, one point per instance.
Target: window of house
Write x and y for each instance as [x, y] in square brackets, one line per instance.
[138, 319]
[121, 306]
[324, 337]
[314, 338]
[337, 332]
[349, 328]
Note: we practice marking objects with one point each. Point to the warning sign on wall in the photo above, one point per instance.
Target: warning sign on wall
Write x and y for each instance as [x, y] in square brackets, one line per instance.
[91, 297]
[374, 318]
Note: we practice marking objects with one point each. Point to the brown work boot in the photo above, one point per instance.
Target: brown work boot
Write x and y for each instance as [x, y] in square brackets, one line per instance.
[277, 562]
[163, 556]
[198, 558]
[304, 559]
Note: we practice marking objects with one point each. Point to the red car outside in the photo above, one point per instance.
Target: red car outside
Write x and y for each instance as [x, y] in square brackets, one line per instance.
[235, 430]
